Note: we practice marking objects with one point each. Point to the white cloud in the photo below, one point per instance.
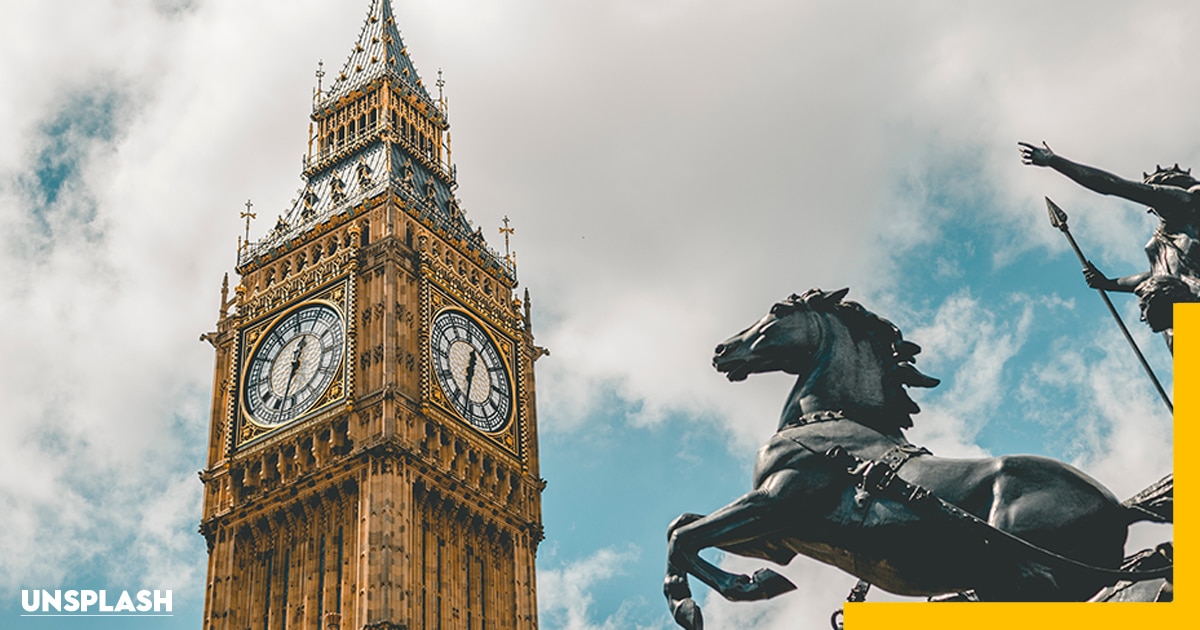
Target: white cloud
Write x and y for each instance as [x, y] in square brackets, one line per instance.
[100, 414]
[564, 594]
[835, 182]
[1123, 432]
[672, 168]
[977, 344]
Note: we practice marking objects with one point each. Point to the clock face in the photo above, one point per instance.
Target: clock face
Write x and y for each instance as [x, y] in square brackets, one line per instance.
[294, 363]
[470, 370]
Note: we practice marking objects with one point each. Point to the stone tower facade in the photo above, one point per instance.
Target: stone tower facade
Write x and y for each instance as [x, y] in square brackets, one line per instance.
[373, 458]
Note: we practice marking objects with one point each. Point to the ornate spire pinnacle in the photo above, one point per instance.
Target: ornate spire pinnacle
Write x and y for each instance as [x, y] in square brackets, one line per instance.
[444, 105]
[320, 75]
[507, 231]
[376, 131]
[526, 304]
[441, 83]
[378, 51]
[247, 215]
[225, 301]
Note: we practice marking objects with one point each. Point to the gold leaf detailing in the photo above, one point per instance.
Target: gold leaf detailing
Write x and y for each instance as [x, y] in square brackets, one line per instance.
[332, 394]
[308, 280]
[251, 431]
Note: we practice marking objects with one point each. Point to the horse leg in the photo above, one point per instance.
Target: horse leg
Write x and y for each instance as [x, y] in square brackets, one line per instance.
[744, 520]
[684, 609]
[685, 538]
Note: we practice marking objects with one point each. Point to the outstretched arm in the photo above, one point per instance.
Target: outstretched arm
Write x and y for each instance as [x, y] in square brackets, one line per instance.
[1098, 280]
[1161, 198]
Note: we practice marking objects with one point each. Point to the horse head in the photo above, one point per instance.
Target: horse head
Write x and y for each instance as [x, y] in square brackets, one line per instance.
[846, 357]
[786, 339]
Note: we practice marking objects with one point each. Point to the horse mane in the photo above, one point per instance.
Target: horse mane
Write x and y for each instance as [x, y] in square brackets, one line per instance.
[895, 353]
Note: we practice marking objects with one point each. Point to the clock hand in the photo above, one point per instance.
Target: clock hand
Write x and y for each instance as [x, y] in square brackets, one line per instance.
[295, 365]
[471, 372]
[296, 354]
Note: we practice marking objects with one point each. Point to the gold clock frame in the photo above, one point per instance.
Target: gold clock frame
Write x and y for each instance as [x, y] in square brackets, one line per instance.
[509, 436]
[439, 392]
[337, 295]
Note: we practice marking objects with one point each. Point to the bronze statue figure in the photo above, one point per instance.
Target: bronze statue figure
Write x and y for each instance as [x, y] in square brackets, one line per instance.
[838, 482]
[1173, 195]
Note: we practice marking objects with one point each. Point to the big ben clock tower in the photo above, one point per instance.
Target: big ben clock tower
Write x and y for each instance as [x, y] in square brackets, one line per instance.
[372, 457]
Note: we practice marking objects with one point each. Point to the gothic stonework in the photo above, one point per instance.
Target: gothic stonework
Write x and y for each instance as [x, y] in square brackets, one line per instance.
[359, 477]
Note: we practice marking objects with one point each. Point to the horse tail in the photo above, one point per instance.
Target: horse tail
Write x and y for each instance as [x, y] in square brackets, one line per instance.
[1155, 504]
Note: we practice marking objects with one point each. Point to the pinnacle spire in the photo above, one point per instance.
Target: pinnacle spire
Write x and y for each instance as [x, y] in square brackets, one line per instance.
[376, 131]
[378, 51]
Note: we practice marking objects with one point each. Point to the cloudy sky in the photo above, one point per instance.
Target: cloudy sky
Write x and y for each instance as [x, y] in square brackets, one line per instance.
[671, 167]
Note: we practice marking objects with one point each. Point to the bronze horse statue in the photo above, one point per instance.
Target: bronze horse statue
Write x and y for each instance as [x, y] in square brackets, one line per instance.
[848, 408]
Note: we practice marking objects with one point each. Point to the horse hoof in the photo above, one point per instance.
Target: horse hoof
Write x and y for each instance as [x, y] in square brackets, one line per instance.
[676, 588]
[687, 614]
[771, 584]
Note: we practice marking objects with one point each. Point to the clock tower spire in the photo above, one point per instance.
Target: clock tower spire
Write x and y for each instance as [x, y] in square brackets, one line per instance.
[372, 456]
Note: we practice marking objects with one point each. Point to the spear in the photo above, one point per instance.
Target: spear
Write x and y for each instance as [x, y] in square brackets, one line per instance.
[1058, 219]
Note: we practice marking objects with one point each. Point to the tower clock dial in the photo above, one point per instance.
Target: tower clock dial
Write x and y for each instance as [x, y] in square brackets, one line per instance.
[294, 364]
[471, 371]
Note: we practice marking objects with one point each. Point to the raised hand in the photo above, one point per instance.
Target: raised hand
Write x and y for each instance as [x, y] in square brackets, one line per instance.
[1037, 156]
[1097, 280]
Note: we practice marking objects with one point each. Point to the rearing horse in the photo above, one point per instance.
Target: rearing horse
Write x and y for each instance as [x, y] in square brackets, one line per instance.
[852, 368]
